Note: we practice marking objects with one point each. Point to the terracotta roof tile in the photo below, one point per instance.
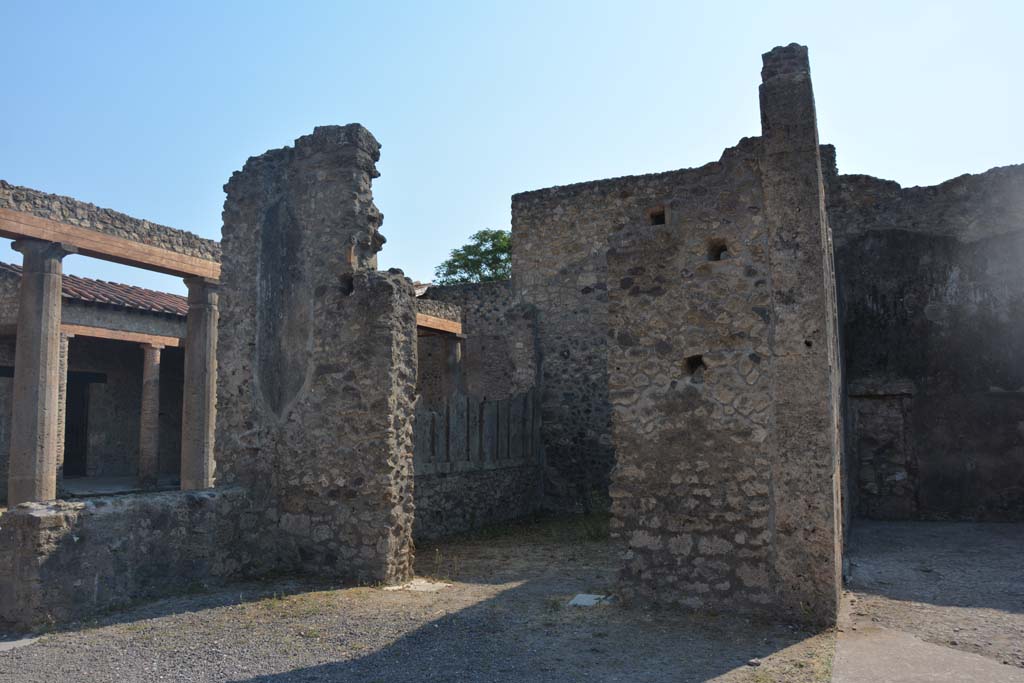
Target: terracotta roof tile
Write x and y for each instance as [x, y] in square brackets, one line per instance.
[115, 294]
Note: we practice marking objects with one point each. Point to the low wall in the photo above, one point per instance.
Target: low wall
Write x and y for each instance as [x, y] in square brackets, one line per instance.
[63, 561]
[476, 463]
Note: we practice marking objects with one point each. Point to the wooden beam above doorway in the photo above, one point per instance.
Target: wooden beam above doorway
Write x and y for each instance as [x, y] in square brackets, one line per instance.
[433, 323]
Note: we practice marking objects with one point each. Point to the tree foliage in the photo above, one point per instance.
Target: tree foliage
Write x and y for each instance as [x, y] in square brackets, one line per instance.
[487, 257]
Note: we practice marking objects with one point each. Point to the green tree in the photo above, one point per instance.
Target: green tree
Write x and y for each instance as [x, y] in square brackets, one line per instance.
[487, 257]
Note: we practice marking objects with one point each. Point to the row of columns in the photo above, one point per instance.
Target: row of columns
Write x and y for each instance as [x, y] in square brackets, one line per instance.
[37, 415]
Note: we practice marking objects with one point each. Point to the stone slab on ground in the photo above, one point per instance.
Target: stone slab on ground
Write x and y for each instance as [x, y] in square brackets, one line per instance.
[588, 600]
[420, 585]
[873, 655]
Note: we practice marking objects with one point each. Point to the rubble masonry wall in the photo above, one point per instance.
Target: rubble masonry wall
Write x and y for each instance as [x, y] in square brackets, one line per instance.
[317, 359]
[724, 379]
[933, 293]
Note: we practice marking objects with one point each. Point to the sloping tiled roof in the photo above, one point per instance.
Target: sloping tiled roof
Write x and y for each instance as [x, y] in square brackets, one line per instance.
[114, 294]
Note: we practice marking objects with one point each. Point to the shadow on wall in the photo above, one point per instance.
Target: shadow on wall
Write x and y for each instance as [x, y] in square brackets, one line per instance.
[575, 405]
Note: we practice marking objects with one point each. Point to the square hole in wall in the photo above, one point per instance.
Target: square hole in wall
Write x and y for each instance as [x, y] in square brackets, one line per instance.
[657, 216]
[717, 250]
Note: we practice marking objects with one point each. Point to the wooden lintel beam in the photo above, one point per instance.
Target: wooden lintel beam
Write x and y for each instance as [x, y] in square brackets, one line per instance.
[431, 322]
[104, 333]
[120, 335]
[17, 224]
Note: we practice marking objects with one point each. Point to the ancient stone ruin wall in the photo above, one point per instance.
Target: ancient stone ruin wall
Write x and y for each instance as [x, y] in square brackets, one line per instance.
[477, 463]
[723, 377]
[499, 357]
[316, 393]
[85, 215]
[933, 291]
[690, 384]
[438, 309]
[317, 358]
[9, 299]
[63, 561]
[559, 245]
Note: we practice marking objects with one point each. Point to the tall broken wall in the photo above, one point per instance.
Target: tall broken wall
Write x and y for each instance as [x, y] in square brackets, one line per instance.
[317, 358]
[933, 291]
[723, 376]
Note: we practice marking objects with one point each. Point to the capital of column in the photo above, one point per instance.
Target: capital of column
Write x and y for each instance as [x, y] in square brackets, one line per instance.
[42, 256]
[202, 291]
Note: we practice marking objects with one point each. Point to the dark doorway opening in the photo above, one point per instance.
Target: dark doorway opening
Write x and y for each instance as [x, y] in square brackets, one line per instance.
[76, 422]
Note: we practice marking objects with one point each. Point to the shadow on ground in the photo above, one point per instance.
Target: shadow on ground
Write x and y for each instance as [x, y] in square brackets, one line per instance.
[956, 564]
[504, 617]
[958, 585]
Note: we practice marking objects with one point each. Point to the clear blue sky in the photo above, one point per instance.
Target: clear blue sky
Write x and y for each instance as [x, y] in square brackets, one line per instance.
[148, 107]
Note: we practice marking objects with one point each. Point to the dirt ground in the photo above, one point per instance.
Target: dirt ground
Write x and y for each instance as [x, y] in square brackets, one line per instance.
[955, 584]
[504, 617]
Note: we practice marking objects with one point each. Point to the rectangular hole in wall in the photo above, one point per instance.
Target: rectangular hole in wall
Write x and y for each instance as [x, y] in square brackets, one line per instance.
[695, 368]
[657, 216]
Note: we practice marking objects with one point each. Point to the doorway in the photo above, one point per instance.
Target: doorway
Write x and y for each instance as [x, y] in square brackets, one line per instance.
[76, 423]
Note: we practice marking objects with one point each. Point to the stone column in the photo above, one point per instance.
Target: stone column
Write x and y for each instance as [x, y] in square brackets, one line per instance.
[199, 409]
[62, 404]
[456, 378]
[149, 422]
[34, 422]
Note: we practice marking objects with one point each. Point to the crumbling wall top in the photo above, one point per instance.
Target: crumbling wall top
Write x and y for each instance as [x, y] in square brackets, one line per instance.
[969, 207]
[784, 60]
[606, 186]
[85, 215]
[318, 168]
[439, 309]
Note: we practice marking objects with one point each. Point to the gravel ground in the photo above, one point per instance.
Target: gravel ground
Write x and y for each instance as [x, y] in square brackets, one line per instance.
[957, 584]
[503, 618]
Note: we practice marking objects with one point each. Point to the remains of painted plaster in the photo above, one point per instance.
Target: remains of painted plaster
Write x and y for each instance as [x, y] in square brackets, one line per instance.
[317, 361]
